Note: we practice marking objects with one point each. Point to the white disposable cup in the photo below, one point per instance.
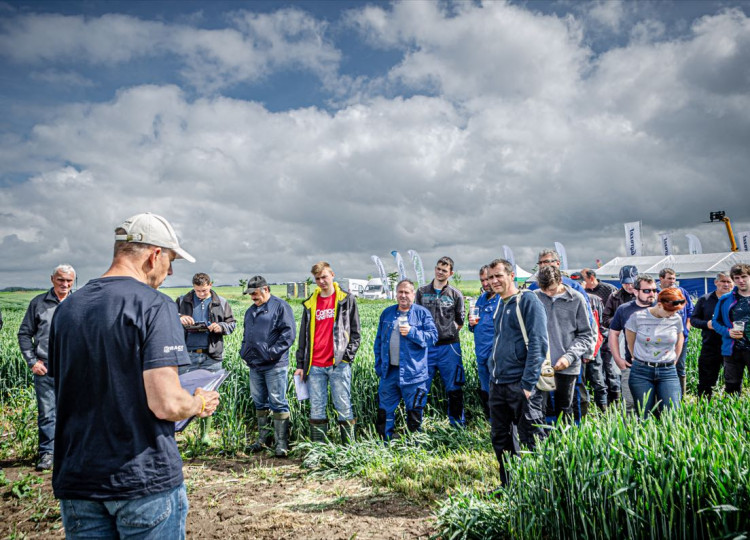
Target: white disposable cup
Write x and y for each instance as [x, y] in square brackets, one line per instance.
[738, 326]
[403, 321]
[474, 314]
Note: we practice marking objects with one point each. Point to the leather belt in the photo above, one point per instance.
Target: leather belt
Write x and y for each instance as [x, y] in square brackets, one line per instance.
[653, 364]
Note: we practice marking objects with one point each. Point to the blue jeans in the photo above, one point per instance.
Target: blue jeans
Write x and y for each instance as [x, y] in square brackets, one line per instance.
[390, 394]
[649, 384]
[268, 389]
[200, 361]
[483, 373]
[447, 360]
[44, 385]
[611, 373]
[681, 360]
[340, 379]
[159, 517]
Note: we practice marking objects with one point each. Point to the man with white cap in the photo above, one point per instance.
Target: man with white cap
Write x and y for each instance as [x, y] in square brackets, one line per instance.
[114, 350]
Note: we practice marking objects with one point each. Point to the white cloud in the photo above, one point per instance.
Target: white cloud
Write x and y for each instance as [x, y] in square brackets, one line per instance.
[254, 46]
[525, 139]
[491, 50]
[608, 13]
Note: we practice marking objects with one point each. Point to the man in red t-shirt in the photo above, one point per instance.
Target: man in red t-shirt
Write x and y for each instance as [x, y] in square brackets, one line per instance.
[329, 337]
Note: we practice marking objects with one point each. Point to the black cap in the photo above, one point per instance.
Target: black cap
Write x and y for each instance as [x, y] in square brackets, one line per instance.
[628, 273]
[255, 282]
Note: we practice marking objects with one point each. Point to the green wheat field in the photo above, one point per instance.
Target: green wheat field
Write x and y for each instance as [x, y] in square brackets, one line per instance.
[686, 475]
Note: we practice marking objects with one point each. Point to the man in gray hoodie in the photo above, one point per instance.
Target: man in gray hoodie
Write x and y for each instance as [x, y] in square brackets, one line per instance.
[571, 337]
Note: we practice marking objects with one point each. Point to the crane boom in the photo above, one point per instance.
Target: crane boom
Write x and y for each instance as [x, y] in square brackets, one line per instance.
[721, 216]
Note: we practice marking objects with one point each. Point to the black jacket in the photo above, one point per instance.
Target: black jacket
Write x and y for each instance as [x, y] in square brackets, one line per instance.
[704, 312]
[220, 312]
[615, 300]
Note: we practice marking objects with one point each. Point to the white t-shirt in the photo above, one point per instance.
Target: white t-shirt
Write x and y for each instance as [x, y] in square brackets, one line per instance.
[655, 338]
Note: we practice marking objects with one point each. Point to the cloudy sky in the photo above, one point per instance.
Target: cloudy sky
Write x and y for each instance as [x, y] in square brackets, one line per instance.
[276, 134]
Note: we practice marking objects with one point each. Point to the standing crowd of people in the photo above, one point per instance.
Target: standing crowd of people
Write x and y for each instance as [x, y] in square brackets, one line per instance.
[107, 361]
[635, 345]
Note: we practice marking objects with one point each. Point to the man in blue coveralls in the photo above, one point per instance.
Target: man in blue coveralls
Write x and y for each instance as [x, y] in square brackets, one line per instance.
[446, 305]
[483, 328]
[405, 332]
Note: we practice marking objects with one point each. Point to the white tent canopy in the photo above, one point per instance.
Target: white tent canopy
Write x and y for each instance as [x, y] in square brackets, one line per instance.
[521, 273]
[695, 272]
[688, 266]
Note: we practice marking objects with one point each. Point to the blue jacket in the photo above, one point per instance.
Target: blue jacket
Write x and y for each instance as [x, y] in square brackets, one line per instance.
[484, 330]
[722, 323]
[269, 333]
[510, 361]
[412, 360]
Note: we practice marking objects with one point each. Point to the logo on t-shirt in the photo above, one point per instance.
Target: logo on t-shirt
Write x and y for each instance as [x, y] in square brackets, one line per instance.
[172, 348]
[322, 314]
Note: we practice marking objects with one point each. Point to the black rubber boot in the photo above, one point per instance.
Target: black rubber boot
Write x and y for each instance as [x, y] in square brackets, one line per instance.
[265, 432]
[613, 397]
[318, 430]
[346, 428]
[281, 433]
[584, 408]
[683, 386]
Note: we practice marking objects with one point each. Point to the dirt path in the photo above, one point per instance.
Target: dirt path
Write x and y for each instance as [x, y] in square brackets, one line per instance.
[255, 497]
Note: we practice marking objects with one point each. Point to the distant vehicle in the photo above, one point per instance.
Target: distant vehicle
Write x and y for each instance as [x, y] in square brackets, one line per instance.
[355, 286]
[374, 290]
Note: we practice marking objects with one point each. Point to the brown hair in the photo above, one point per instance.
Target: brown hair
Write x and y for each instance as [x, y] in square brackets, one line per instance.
[739, 269]
[318, 267]
[549, 276]
[666, 272]
[201, 279]
[507, 267]
[445, 260]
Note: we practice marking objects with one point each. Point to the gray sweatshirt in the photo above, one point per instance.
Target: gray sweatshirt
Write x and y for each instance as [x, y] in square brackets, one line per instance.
[570, 334]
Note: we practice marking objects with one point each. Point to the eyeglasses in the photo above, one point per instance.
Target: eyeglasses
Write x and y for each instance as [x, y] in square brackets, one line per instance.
[674, 302]
[547, 261]
[649, 291]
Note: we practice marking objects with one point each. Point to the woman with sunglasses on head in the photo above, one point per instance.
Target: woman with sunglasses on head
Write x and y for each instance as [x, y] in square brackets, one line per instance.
[655, 340]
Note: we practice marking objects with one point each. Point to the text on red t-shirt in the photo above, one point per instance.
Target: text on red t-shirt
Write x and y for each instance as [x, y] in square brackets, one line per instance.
[323, 342]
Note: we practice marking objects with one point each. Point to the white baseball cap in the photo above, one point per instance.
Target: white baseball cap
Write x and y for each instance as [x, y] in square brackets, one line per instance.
[151, 229]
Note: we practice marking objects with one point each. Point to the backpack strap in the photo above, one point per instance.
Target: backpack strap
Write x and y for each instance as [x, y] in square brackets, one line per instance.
[519, 294]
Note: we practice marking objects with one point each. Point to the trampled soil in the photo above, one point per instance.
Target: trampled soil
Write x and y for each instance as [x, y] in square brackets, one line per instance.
[255, 497]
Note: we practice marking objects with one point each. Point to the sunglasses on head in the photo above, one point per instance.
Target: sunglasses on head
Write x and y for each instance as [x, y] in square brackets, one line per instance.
[649, 291]
[674, 302]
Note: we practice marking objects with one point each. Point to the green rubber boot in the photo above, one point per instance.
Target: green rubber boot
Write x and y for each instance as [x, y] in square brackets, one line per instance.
[318, 430]
[281, 433]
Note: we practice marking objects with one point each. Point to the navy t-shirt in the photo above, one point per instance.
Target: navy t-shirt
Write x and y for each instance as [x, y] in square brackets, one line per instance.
[108, 443]
[622, 315]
